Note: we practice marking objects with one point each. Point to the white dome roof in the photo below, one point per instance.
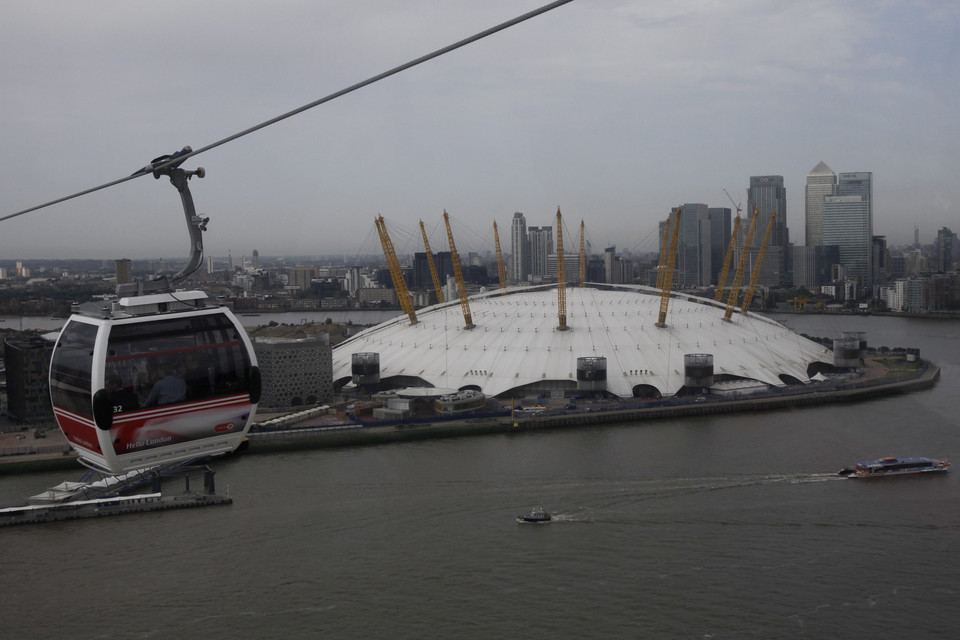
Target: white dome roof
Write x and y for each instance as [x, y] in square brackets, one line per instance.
[515, 341]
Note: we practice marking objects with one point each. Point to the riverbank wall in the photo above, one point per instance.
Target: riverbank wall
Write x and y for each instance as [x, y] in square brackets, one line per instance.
[875, 383]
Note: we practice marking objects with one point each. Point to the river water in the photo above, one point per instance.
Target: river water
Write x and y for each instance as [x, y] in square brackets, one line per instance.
[711, 527]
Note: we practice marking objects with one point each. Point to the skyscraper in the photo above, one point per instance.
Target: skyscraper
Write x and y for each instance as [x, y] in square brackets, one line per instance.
[846, 224]
[767, 195]
[694, 254]
[541, 246]
[859, 228]
[519, 249]
[719, 239]
[821, 182]
[944, 250]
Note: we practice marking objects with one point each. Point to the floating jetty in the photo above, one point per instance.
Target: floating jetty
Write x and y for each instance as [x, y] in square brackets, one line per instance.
[103, 497]
[100, 507]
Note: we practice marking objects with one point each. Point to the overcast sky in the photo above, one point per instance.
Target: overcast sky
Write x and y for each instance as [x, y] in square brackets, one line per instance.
[614, 111]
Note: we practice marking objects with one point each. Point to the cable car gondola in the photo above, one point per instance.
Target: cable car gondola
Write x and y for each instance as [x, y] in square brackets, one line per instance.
[156, 376]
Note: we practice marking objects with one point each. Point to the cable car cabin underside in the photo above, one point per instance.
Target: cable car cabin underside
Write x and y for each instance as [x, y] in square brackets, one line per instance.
[155, 379]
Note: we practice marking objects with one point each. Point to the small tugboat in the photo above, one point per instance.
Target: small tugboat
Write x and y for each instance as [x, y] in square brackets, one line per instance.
[895, 467]
[536, 516]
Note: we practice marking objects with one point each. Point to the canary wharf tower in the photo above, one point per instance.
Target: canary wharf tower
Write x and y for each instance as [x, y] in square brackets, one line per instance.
[821, 182]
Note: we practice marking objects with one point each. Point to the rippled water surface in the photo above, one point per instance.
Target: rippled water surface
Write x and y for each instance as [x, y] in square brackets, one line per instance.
[715, 527]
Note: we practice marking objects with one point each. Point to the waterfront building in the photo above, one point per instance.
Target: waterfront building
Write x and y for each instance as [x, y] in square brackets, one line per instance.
[943, 250]
[878, 267]
[515, 351]
[27, 361]
[847, 225]
[295, 372]
[821, 182]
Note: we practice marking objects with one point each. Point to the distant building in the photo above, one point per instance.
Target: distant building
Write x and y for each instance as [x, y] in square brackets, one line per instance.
[541, 246]
[821, 182]
[123, 271]
[767, 195]
[301, 277]
[720, 230]
[27, 359]
[295, 372]
[846, 224]
[943, 250]
[519, 248]
[694, 246]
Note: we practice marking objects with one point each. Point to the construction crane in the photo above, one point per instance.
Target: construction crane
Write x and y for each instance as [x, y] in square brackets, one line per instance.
[668, 270]
[432, 265]
[738, 278]
[458, 274]
[501, 270]
[727, 259]
[799, 303]
[399, 284]
[583, 255]
[561, 277]
[748, 296]
[736, 206]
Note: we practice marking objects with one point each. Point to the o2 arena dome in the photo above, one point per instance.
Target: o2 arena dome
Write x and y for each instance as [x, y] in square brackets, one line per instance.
[611, 345]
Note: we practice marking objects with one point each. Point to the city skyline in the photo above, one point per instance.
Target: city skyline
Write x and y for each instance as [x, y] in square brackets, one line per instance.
[592, 107]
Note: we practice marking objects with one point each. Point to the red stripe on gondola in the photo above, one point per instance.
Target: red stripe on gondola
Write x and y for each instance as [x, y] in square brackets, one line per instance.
[168, 352]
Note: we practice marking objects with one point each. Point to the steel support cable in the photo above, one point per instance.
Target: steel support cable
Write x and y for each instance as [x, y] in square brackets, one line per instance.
[342, 92]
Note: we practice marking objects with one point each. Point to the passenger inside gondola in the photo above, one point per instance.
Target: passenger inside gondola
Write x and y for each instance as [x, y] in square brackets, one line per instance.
[168, 389]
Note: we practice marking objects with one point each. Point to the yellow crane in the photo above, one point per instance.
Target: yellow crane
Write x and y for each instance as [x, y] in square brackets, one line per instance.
[583, 255]
[399, 284]
[561, 276]
[738, 278]
[431, 264]
[748, 296]
[458, 274]
[501, 270]
[726, 261]
[668, 270]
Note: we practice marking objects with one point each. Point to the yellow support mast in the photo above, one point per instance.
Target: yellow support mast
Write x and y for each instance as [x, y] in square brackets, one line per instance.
[432, 265]
[399, 284]
[583, 255]
[727, 260]
[561, 277]
[748, 296]
[501, 270]
[668, 270]
[664, 250]
[458, 274]
[738, 277]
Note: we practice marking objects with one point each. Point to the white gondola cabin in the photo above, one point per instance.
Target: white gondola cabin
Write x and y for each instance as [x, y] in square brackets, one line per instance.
[132, 391]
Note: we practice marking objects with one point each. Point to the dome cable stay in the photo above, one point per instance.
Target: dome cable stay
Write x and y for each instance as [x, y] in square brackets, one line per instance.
[160, 165]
